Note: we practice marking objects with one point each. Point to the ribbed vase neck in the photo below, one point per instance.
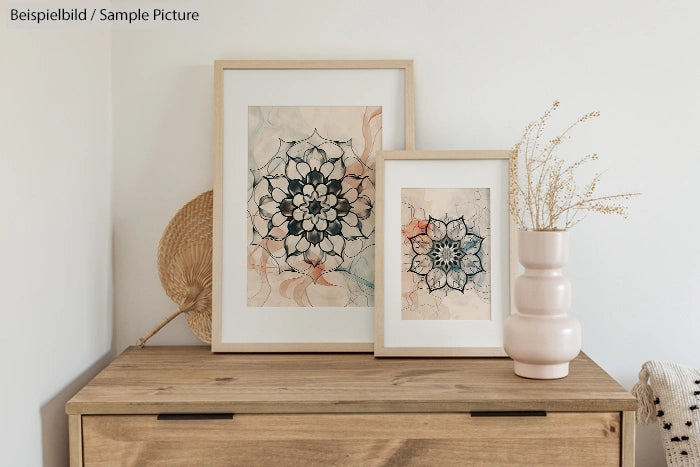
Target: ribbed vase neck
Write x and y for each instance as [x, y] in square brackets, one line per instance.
[532, 272]
[543, 250]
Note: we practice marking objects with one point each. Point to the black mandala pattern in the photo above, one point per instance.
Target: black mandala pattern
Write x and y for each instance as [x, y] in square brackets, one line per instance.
[446, 254]
[314, 206]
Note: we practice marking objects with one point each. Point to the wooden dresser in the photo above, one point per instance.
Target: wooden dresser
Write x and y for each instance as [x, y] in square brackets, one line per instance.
[184, 406]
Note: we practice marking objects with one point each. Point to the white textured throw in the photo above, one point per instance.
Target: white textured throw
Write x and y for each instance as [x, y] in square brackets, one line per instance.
[672, 398]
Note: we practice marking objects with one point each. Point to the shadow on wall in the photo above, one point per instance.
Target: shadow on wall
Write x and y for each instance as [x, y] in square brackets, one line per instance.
[648, 435]
[54, 421]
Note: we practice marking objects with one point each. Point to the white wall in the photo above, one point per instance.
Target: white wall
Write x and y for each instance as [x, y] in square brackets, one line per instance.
[55, 232]
[483, 70]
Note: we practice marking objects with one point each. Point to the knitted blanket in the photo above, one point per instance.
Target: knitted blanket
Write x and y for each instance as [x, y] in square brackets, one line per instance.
[670, 394]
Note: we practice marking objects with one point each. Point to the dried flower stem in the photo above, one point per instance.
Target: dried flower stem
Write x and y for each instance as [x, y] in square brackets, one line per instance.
[545, 195]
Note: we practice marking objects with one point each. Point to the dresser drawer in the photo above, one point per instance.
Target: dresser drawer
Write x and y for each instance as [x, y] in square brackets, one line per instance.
[353, 439]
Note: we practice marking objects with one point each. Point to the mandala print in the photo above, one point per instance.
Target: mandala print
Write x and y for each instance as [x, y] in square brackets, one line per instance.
[446, 255]
[314, 206]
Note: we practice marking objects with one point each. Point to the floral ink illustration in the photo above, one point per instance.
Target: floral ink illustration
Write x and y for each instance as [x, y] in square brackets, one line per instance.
[446, 254]
[445, 248]
[311, 205]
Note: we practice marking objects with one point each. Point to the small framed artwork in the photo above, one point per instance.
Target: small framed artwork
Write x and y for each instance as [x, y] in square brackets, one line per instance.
[294, 200]
[446, 257]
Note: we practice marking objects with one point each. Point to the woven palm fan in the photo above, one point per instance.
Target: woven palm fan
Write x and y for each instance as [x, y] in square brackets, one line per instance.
[185, 268]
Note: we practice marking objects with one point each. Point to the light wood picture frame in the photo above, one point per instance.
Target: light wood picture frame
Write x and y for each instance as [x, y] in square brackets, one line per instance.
[446, 253]
[272, 107]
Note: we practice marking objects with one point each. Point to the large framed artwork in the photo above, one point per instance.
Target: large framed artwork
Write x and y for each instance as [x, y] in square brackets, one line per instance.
[294, 199]
[445, 256]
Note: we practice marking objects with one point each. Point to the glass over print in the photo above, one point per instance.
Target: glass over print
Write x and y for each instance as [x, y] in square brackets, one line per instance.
[445, 237]
[311, 205]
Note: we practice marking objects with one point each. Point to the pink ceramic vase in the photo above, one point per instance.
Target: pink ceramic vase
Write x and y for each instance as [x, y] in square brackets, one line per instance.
[541, 337]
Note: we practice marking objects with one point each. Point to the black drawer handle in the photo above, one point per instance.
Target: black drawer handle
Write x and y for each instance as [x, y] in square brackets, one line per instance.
[532, 413]
[195, 416]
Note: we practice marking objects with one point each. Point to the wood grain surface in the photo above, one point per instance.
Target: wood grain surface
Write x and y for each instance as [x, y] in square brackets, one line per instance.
[628, 427]
[75, 439]
[354, 439]
[191, 379]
